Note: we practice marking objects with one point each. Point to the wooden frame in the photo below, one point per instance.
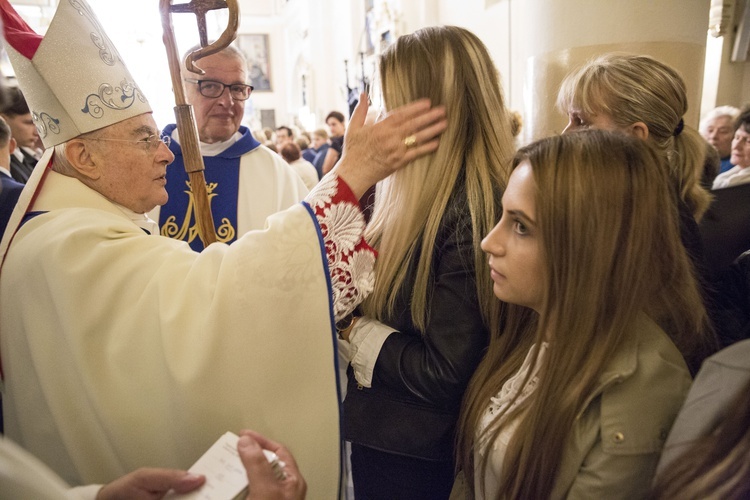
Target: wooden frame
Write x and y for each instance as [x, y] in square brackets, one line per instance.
[256, 50]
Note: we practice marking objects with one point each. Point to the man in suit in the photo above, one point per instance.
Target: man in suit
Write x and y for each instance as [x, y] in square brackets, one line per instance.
[16, 114]
[11, 189]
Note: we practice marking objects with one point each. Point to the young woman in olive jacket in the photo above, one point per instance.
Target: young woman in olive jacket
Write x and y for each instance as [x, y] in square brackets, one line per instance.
[579, 389]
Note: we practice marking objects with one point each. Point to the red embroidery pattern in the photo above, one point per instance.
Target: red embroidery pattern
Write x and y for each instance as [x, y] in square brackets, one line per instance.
[350, 259]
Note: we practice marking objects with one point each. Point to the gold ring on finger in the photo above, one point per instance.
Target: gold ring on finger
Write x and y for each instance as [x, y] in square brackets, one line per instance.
[410, 141]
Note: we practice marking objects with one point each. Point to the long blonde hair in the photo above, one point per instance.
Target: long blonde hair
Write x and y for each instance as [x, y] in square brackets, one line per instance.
[451, 67]
[637, 88]
[611, 250]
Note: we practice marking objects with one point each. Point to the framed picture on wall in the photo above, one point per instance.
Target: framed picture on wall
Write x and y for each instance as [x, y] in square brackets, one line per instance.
[256, 50]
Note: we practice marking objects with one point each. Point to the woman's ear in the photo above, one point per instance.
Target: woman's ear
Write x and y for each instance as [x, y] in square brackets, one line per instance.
[78, 154]
[640, 130]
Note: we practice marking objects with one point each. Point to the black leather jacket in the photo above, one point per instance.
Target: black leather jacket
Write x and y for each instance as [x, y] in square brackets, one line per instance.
[420, 377]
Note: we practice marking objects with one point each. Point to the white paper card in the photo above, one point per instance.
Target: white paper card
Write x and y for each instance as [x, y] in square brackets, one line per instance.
[225, 474]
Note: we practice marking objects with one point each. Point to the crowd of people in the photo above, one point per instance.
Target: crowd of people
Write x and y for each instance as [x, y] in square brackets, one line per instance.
[410, 305]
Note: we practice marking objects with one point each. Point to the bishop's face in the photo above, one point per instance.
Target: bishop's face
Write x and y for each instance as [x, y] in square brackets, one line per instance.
[131, 165]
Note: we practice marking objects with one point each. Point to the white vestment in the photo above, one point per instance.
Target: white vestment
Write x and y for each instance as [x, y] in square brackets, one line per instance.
[23, 476]
[123, 350]
[306, 171]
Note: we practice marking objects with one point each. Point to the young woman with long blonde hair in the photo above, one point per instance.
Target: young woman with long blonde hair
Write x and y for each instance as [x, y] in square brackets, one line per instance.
[425, 326]
[580, 386]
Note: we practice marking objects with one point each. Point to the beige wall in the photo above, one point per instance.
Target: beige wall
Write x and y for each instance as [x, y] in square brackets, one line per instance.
[745, 86]
[534, 44]
[564, 35]
[545, 73]
[726, 82]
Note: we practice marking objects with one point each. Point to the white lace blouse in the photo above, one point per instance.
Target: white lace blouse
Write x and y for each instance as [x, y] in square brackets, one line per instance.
[500, 403]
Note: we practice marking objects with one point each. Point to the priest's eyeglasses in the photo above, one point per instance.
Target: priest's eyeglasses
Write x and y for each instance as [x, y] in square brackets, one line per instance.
[213, 89]
[151, 142]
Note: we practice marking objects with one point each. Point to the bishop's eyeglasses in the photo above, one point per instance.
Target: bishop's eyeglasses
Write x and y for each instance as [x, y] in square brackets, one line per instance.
[151, 142]
[213, 89]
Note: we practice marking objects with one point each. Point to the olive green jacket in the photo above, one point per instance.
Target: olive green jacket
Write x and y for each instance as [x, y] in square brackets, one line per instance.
[614, 446]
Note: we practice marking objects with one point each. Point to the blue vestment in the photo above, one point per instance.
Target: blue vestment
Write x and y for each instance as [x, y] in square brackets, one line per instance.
[177, 216]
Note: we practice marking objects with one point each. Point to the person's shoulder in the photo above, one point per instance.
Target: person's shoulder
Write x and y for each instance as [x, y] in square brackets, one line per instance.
[735, 356]
[65, 231]
[9, 194]
[337, 143]
[720, 378]
[644, 390]
[725, 175]
[652, 338]
[268, 158]
[8, 182]
[306, 165]
[657, 358]
[273, 164]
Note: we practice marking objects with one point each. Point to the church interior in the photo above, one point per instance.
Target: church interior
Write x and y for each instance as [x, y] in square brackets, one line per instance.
[308, 56]
[539, 291]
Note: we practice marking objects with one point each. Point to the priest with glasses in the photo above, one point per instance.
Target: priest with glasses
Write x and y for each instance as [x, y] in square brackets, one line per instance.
[247, 182]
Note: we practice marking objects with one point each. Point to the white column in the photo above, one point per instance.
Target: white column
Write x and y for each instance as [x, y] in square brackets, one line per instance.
[552, 37]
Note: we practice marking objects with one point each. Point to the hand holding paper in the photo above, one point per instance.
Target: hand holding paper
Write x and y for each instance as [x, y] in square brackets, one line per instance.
[261, 473]
[250, 466]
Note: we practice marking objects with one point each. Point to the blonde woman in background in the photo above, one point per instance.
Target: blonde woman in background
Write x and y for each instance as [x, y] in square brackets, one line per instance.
[646, 98]
[426, 324]
[579, 389]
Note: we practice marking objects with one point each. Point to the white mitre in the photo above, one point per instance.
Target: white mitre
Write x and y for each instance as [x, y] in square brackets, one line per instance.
[73, 78]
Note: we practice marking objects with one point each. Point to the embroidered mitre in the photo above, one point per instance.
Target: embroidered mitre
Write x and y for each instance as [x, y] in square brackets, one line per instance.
[73, 78]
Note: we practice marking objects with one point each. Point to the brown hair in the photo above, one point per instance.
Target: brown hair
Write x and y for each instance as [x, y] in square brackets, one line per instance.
[336, 116]
[290, 152]
[14, 103]
[610, 243]
[4, 133]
